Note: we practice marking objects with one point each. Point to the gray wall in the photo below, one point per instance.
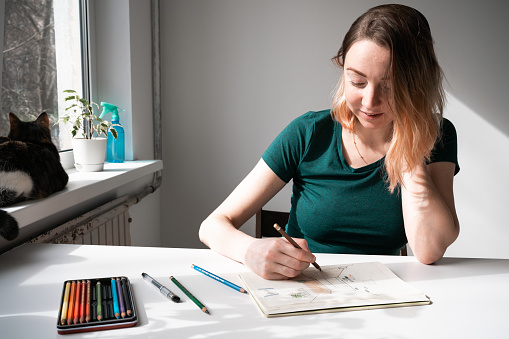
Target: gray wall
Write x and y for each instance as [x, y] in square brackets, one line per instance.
[235, 72]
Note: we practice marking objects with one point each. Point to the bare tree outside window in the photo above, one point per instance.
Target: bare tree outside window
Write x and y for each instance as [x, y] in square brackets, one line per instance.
[38, 42]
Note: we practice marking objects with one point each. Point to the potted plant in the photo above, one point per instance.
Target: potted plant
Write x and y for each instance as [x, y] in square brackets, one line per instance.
[89, 132]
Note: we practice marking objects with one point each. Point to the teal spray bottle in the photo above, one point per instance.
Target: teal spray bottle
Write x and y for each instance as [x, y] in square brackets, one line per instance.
[115, 151]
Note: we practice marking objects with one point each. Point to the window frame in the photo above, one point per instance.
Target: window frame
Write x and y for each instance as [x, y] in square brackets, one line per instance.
[67, 155]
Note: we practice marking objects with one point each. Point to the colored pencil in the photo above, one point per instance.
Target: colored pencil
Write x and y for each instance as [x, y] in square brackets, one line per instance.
[87, 312]
[287, 237]
[192, 297]
[72, 295]
[65, 304]
[99, 301]
[221, 280]
[120, 298]
[126, 298]
[77, 301]
[115, 298]
[83, 298]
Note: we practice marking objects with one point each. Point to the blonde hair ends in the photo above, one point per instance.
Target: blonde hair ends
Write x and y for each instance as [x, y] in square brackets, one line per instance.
[417, 94]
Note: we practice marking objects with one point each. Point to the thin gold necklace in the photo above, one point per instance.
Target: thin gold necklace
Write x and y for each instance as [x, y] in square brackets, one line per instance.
[355, 144]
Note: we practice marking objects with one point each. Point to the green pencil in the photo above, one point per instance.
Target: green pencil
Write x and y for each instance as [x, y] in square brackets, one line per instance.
[99, 301]
[192, 297]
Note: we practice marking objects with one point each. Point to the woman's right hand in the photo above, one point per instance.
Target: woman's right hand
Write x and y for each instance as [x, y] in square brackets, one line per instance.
[271, 258]
[276, 258]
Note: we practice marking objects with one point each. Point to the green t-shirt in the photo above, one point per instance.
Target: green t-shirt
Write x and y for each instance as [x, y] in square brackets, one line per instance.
[336, 208]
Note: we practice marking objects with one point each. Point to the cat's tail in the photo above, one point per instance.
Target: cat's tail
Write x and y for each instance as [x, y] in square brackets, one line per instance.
[8, 226]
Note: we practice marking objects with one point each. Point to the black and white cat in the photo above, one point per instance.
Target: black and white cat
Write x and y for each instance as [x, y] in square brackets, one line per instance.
[29, 167]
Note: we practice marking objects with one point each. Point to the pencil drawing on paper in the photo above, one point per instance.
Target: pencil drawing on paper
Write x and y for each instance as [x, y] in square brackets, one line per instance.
[300, 293]
[328, 281]
[336, 286]
[268, 292]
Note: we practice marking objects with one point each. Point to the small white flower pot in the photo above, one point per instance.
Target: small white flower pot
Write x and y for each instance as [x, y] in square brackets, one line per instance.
[89, 154]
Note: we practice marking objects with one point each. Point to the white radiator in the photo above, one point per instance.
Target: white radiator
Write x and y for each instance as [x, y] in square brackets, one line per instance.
[106, 225]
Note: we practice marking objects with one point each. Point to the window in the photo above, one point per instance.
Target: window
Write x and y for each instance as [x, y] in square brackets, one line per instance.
[42, 56]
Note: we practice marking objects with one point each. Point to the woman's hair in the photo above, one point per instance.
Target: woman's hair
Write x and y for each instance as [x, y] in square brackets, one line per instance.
[416, 92]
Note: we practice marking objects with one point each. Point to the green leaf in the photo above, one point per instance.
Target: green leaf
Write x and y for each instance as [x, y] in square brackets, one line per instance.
[70, 98]
[84, 121]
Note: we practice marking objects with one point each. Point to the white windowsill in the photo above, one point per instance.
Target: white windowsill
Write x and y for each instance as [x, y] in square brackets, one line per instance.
[84, 192]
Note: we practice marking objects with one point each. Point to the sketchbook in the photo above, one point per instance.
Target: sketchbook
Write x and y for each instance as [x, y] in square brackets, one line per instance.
[336, 288]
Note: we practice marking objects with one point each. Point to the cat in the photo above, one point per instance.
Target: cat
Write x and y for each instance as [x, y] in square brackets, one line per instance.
[8, 226]
[29, 167]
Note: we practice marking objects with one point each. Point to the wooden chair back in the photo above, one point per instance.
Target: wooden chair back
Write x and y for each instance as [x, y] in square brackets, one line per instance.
[265, 221]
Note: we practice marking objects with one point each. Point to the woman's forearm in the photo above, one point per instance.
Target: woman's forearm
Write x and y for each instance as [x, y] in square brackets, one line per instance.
[219, 234]
[220, 231]
[430, 220]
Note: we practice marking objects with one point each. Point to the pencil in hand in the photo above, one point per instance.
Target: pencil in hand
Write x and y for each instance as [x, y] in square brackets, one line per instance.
[287, 237]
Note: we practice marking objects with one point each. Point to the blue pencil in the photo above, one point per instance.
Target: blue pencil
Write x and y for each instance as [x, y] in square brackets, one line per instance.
[115, 298]
[215, 277]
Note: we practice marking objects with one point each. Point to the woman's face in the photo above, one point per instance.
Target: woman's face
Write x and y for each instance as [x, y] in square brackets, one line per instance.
[367, 87]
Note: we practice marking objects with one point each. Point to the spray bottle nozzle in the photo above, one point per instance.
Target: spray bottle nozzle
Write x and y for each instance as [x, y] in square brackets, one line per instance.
[110, 108]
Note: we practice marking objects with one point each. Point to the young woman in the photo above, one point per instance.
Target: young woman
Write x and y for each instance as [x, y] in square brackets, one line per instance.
[371, 174]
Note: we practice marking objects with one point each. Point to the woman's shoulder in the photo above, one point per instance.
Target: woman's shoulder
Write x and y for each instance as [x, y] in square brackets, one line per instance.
[287, 150]
[447, 134]
[447, 127]
[446, 146]
[307, 125]
[316, 116]
[312, 120]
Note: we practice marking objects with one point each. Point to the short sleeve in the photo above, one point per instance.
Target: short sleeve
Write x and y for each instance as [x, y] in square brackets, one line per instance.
[284, 154]
[446, 147]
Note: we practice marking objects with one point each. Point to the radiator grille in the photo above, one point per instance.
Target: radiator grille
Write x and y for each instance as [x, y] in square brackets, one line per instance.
[105, 225]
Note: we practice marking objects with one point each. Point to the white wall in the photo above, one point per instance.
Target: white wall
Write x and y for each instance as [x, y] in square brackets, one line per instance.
[235, 72]
[122, 75]
[472, 43]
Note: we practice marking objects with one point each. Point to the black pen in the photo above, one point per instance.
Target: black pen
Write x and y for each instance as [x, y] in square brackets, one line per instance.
[165, 291]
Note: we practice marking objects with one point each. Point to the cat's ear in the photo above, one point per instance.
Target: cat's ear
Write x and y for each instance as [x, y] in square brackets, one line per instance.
[14, 120]
[43, 120]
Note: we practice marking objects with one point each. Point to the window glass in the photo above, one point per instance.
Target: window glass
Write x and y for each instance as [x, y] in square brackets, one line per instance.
[41, 57]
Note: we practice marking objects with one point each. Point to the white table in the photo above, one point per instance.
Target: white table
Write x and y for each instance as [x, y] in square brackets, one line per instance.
[470, 296]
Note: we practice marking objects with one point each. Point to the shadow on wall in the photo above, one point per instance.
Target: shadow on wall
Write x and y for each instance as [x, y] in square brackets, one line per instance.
[472, 47]
[481, 185]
